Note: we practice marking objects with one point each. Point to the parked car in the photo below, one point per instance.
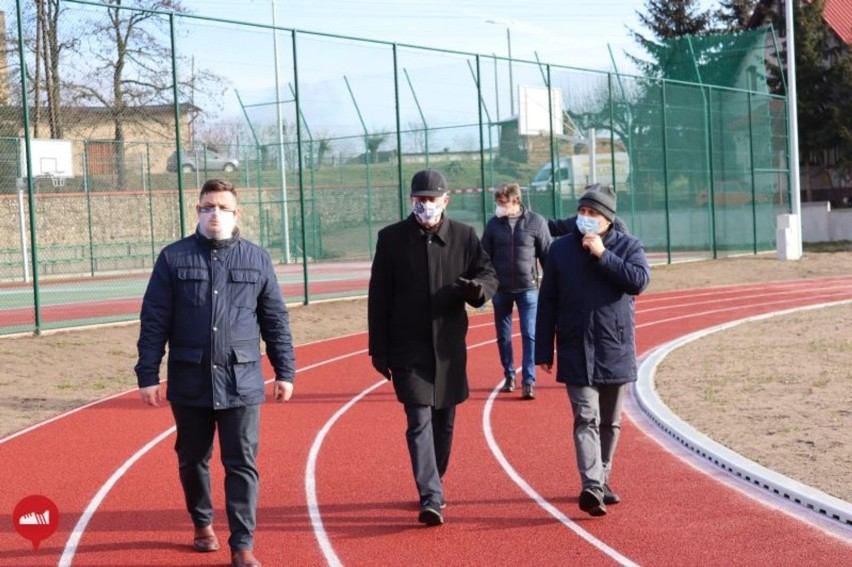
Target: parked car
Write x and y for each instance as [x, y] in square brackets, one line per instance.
[204, 159]
[574, 173]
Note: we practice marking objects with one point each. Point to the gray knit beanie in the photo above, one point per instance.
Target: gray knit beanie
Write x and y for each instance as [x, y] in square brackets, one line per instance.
[600, 198]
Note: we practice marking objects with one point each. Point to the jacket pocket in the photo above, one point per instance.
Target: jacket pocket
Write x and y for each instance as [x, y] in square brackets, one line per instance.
[193, 285]
[247, 369]
[243, 285]
[186, 375]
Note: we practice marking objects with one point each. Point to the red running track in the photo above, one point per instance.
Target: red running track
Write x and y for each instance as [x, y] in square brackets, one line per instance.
[336, 486]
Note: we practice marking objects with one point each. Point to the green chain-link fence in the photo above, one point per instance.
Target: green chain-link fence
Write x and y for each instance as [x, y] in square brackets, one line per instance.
[323, 140]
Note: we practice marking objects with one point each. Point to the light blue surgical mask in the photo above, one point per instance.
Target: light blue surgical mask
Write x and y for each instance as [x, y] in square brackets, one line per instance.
[588, 225]
[428, 213]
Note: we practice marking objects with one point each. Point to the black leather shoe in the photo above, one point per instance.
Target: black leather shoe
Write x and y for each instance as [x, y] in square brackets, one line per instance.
[592, 503]
[430, 514]
[508, 385]
[529, 392]
[610, 497]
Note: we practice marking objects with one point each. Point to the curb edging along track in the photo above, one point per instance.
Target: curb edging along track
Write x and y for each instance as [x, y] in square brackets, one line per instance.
[768, 481]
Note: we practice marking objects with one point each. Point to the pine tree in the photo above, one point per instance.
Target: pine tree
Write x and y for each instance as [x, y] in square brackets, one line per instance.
[734, 15]
[667, 20]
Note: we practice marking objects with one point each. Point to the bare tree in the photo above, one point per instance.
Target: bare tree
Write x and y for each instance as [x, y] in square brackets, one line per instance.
[128, 55]
[374, 142]
[43, 76]
[323, 147]
[222, 135]
[418, 136]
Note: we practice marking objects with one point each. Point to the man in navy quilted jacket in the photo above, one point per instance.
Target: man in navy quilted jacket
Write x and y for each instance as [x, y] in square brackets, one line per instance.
[586, 305]
[212, 296]
[517, 240]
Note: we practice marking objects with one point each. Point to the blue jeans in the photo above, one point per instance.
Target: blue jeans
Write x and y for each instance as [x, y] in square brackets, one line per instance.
[503, 303]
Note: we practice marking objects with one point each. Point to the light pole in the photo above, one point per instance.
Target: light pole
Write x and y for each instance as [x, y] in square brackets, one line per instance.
[282, 171]
[793, 131]
[509, 45]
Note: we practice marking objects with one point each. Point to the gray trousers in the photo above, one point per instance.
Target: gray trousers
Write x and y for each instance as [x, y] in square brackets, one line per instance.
[430, 438]
[238, 442]
[597, 425]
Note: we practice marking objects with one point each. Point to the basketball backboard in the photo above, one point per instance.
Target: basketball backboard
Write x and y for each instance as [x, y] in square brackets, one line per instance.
[50, 158]
[534, 112]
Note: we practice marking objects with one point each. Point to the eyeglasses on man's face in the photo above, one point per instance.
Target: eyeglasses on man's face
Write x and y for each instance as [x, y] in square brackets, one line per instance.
[213, 209]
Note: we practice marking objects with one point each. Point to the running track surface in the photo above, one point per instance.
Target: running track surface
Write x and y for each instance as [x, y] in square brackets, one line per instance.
[336, 486]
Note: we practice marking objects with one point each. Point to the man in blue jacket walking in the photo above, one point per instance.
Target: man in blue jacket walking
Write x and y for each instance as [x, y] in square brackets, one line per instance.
[586, 304]
[516, 239]
[212, 296]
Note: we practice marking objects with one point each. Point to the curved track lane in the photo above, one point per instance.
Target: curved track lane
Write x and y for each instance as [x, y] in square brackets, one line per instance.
[512, 487]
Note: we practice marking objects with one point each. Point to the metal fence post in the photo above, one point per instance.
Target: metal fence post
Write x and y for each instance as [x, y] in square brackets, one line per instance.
[88, 191]
[398, 133]
[666, 173]
[29, 160]
[178, 148]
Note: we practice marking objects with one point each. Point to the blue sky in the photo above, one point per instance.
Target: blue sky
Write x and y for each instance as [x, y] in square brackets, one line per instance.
[567, 32]
[562, 32]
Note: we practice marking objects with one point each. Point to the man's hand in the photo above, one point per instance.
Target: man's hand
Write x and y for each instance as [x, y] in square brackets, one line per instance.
[150, 395]
[547, 368]
[281, 390]
[471, 290]
[594, 244]
[380, 363]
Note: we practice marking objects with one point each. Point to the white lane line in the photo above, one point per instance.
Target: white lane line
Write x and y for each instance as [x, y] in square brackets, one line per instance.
[311, 482]
[80, 528]
[742, 297]
[313, 503]
[62, 415]
[786, 301]
[535, 496]
[547, 506]
[77, 532]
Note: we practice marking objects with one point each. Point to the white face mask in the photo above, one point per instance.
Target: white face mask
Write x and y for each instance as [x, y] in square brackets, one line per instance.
[428, 213]
[500, 211]
[222, 228]
[588, 225]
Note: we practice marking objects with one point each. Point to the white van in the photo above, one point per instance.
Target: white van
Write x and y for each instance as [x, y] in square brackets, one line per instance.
[574, 173]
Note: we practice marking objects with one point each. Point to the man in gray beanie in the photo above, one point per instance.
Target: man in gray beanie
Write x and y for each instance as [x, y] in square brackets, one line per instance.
[586, 295]
[598, 197]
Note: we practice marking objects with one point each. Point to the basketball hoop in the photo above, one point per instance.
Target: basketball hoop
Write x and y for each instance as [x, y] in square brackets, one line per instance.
[56, 178]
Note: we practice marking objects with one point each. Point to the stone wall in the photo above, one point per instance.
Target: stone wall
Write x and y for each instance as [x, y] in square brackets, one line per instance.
[123, 224]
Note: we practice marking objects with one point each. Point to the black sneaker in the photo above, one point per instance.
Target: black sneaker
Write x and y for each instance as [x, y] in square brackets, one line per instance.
[441, 506]
[508, 385]
[529, 392]
[430, 514]
[610, 497]
[592, 503]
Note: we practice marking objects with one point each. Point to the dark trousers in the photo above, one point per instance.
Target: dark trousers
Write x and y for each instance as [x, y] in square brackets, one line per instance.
[430, 438]
[238, 441]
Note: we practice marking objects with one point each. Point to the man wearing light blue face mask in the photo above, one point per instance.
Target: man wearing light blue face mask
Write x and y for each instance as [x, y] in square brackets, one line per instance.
[586, 305]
